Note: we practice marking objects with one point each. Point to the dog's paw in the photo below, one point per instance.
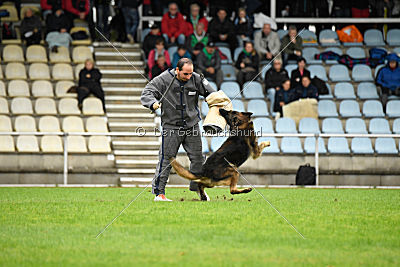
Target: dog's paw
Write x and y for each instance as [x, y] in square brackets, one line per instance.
[266, 143]
[247, 190]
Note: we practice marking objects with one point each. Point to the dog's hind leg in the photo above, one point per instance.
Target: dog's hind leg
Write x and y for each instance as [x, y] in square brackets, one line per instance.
[234, 180]
[203, 195]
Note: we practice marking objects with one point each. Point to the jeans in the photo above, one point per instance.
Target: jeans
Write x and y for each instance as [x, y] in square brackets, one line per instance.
[179, 40]
[131, 16]
[103, 12]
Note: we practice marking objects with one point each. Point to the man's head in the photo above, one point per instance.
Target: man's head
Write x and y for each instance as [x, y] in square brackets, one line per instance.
[292, 31]
[181, 50]
[173, 8]
[267, 28]
[199, 28]
[89, 64]
[160, 60]
[58, 12]
[155, 29]
[305, 81]
[301, 63]
[286, 85]
[248, 46]
[159, 44]
[221, 14]
[28, 13]
[194, 10]
[184, 69]
[210, 47]
[277, 64]
[241, 12]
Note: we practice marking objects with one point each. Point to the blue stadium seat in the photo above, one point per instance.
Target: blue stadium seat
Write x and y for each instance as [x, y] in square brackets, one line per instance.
[393, 37]
[362, 73]
[356, 52]
[396, 50]
[217, 141]
[282, 33]
[309, 145]
[258, 107]
[221, 44]
[252, 90]
[379, 126]
[231, 89]
[238, 105]
[213, 85]
[356, 126]
[229, 72]
[367, 90]
[335, 50]
[171, 51]
[144, 33]
[308, 125]
[236, 53]
[373, 108]
[328, 35]
[285, 125]
[385, 146]
[327, 108]
[332, 126]
[344, 90]
[291, 145]
[338, 145]
[349, 108]
[392, 108]
[263, 125]
[319, 71]
[352, 44]
[273, 148]
[329, 95]
[289, 68]
[227, 53]
[339, 73]
[396, 126]
[308, 38]
[308, 54]
[204, 108]
[361, 145]
[204, 144]
[264, 70]
[377, 68]
[373, 37]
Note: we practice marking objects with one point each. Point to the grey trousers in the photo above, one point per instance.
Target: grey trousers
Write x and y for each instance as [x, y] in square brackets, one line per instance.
[171, 141]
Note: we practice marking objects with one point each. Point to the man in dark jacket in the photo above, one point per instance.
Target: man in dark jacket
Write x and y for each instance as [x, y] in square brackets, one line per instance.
[293, 45]
[221, 29]
[149, 42]
[274, 79]
[31, 28]
[297, 74]
[89, 82]
[80, 9]
[306, 89]
[284, 95]
[389, 79]
[58, 26]
[209, 63]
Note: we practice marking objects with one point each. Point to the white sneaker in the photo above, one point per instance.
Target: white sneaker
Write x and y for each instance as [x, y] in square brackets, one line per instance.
[130, 38]
[161, 197]
[198, 193]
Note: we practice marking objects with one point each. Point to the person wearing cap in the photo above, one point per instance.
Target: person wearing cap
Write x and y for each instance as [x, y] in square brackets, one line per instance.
[208, 62]
[180, 118]
[149, 41]
[222, 29]
[301, 71]
[388, 79]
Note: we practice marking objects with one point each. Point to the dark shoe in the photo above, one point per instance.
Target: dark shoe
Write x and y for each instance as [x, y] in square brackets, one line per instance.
[80, 107]
[54, 49]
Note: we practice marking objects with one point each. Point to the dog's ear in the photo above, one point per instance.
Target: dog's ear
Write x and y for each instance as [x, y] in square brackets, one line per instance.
[248, 114]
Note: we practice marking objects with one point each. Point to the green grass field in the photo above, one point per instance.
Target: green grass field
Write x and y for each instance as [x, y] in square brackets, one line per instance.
[57, 226]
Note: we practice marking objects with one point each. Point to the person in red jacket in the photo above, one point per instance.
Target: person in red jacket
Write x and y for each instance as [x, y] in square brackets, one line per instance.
[173, 25]
[153, 56]
[80, 9]
[195, 18]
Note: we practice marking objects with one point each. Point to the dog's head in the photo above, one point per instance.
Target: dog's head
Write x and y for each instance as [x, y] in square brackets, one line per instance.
[235, 119]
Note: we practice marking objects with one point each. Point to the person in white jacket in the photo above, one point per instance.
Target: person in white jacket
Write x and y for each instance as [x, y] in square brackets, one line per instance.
[267, 43]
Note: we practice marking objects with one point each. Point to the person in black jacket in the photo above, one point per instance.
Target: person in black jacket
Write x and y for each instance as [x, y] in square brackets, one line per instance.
[306, 89]
[31, 28]
[58, 25]
[221, 29]
[247, 64]
[89, 82]
[284, 95]
[159, 67]
[149, 42]
[274, 79]
[297, 74]
[243, 28]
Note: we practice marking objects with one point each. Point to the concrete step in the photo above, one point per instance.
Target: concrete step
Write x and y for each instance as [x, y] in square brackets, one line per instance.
[132, 126]
[137, 81]
[113, 55]
[135, 180]
[120, 90]
[137, 138]
[105, 46]
[122, 98]
[135, 162]
[136, 152]
[123, 74]
[133, 145]
[131, 108]
[142, 115]
[139, 64]
[136, 171]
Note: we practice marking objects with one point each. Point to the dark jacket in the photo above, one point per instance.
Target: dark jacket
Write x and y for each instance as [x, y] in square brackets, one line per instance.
[29, 24]
[243, 28]
[295, 77]
[54, 23]
[283, 96]
[149, 42]
[275, 79]
[216, 27]
[202, 62]
[250, 61]
[130, 3]
[290, 47]
[90, 78]
[306, 92]
[157, 70]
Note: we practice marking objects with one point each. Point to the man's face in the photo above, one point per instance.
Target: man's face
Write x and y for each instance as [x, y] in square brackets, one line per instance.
[392, 64]
[305, 81]
[173, 9]
[210, 50]
[185, 73]
[181, 52]
[277, 65]
[29, 13]
[159, 46]
[155, 31]
[301, 64]
[221, 15]
[88, 65]
[194, 10]
[267, 29]
[199, 28]
[161, 61]
[292, 33]
[286, 85]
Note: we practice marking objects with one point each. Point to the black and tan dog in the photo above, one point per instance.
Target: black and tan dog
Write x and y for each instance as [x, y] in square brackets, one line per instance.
[218, 169]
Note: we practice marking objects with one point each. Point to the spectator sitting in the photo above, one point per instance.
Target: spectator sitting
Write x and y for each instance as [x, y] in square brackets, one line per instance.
[221, 29]
[389, 79]
[31, 28]
[208, 62]
[80, 9]
[180, 53]
[58, 26]
[89, 82]
[243, 27]
[247, 64]
[149, 42]
[173, 25]
[194, 19]
[267, 43]
[301, 71]
[159, 67]
[284, 95]
[47, 6]
[159, 50]
[131, 16]
[306, 89]
[197, 40]
[293, 44]
[274, 79]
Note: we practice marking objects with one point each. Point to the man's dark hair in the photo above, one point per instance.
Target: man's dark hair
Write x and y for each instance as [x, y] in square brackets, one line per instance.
[183, 61]
[159, 41]
[181, 46]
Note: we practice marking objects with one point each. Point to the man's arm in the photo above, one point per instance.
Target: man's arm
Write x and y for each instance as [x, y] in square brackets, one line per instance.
[257, 44]
[152, 92]
[204, 86]
[275, 44]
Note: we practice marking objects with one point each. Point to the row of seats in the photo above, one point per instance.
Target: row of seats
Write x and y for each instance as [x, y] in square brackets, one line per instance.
[40, 88]
[38, 54]
[47, 106]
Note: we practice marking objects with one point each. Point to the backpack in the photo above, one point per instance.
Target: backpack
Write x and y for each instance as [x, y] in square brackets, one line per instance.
[9, 31]
[321, 86]
[305, 175]
[377, 53]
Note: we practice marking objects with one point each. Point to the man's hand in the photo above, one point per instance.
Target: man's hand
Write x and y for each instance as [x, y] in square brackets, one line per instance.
[277, 88]
[268, 55]
[298, 53]
[156, 106]
[242, 65]
[211, 70]
[63, 30]
[281, 104]
[172, 39]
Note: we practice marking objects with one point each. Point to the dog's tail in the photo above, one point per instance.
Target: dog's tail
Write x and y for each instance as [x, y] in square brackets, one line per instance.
[182, 171]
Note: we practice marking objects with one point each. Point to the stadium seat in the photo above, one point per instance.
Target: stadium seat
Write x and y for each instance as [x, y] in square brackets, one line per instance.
[1, 73]
[13, 53]
[328, 38]
[332, 126]
[5, 124]
[309, 145]
[308, 54]
[213, 85]
[291, 145]
[62, 56]
[309, 38]
[285, 125]
[361, 145]
[216, 142]
[327, 108]
[373, 37]
[236, 53]
[68, 106]
[36, 54]
[72, 124]
[289, 68]
[18, 88]
[349, 108]
[81, 53]
[99, 144]
[42, 89]
[273, 148]
[92, 106]
[204, 145]
[392, 108]
[39, 71]
[171, 51]
[78, 69]
[45, 106]
[21, 105]
[76, 144]
[2, 89]
[263, 125]
[62, 87]
[227, 53]
[7, 143]
[338, 145]
[339, 73]
[264, 70]
[25, 123]
[204, 108]
[385, 146]
[344, 90]
[379, 126]
[27, 144]
[356, 126]
[373, 108]
[362, 73]
[51, 144]
[308, 125]
[238, 105]
[329, 95]
[258, 107]
[393, 37]
[396, 126]
[252, 90]
[356, 52]
[62, 71]
[367, 90]
[319, 71]
[229, 72]
[231, 89]
[15, 71]
[335, 50]
[49, 124]
[4, 106]
[96, 124]
[282, 33]
[377, 69]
